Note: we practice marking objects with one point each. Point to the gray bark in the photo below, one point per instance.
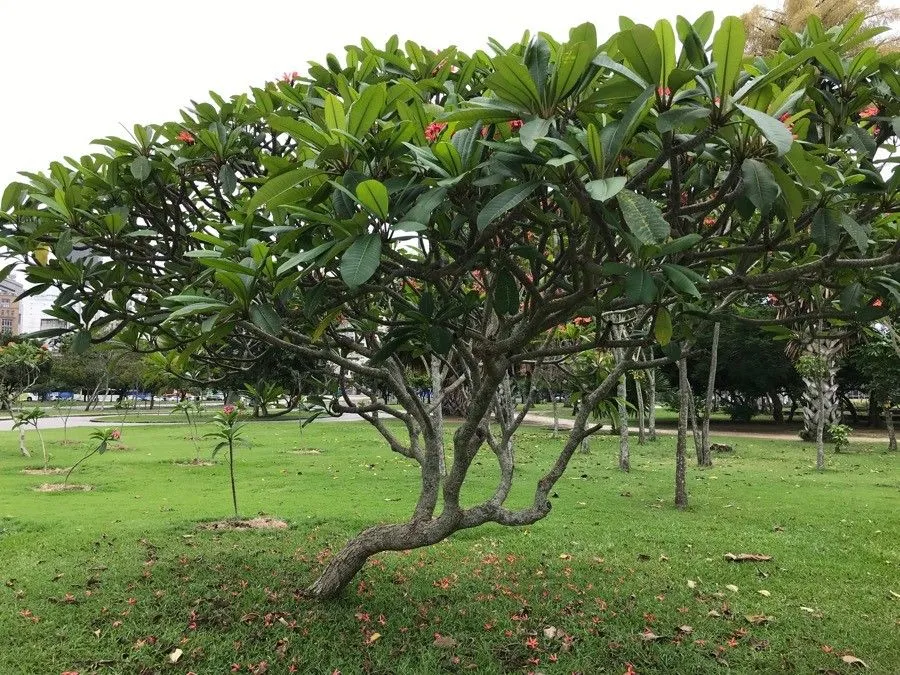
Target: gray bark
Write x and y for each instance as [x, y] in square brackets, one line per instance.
[820, 426]
[651, 404]
[892, 435]
[641, 418]
[624, 454]
[692, 417]
[705, 455]
[437, 382]
[681, 498]
[555, 416]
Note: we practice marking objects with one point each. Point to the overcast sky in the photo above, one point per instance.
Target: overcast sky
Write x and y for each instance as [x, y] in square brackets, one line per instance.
[71, 72]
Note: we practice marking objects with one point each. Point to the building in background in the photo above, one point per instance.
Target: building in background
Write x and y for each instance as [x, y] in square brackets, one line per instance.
[31, 312]
[9, 308]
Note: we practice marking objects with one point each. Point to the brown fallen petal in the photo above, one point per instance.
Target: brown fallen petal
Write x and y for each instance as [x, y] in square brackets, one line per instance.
[444, 642]
[759, 619]
[685, 629]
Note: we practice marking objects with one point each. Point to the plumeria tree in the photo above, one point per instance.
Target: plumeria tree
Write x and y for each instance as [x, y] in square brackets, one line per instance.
[405, 202]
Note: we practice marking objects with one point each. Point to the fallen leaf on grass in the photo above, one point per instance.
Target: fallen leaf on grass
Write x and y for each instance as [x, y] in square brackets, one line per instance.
[764, 593]
[759, 619]
[643, 556]
[552, 632]
[687, 630]
[565, 556]
[747, 557]
[732, 588]
[808, 609]
[713, 614]
[175, 655]
[649, 636]
[851, 660]
[374, 637]
[444, 641]
[896, 596]
[692, 584]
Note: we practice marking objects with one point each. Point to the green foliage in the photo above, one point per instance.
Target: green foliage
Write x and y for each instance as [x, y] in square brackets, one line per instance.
[840, 436]
[229, 431]
[103, 437]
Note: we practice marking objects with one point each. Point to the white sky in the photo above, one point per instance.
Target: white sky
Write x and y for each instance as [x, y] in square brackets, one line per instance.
[72, 71]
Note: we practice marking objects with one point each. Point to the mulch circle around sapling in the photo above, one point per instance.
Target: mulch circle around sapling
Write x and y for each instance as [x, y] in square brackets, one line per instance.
[258, 523]
[307, 451]
[63, 487]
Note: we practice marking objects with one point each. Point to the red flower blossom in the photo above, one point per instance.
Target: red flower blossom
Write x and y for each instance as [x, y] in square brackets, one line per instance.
[433, 130]
[515, 125]
[709, 221]
[869, 111]
[663, 91]
[228, 409]
[629, 670]
[186, 137]
[531, 643]
[116, 435]
[581, 320]
[877, 302]
[772, 299]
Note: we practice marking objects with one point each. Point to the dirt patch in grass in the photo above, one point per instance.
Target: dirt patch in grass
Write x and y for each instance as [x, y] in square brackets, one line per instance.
[307, 451]
[195, 462]
[259, 523]
[62, 487]
[43, 472]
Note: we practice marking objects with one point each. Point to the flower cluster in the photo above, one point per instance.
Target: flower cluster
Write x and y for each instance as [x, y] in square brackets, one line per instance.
[229, 409]
[515, 125]
[186, 137]
[785, 119]
[290, 77]
[869, 111]
[433, 130]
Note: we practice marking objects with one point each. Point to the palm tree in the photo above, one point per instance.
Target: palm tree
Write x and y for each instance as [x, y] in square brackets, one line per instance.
[764, 24]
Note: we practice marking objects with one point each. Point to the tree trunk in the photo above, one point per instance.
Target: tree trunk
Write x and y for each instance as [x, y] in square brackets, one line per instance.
[874, 410]
[820, 428]
[892, 435]
[651, 404]
[681, 499]
[777, 406]
[705, 455]
[639, 395]
[827, 350]
[624, 455]
[692, 418]
[555, 417]
[437, 386]
[22, 448]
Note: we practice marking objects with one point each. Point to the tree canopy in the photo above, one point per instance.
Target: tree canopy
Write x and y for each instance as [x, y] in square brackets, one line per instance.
[404, 203]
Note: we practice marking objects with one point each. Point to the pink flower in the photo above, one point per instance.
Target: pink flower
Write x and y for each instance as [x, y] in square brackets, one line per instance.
[515, 125]
[116, 434]
[531, 643]
[869, 111]
[877, 302]
[186, 137]
[663, 91]
[433, 130]
[228, 409]
[290, 77]
[582, 320]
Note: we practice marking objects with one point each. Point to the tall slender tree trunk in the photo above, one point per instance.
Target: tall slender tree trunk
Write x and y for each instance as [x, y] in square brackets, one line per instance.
[892, 435]
[437, 386]
[555, 416]
[22, 448]
[681, 498]
[692, 418]
[705, 455]
[624, 454]
[641, 418]
[825, 388]
[651, 404]
[820, 428]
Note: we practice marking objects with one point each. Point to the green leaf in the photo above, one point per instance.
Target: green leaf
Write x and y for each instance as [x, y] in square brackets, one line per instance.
[595, 147]
[629, 123]
[533, 130]
[334, 113]
[662, 327]
[426, 304]
[512, 82]
[366, 109]
[676, 117]
[643, 218]
[759, 184]
[277, 190]
[503, 202]
[665, 37]
[793, 200]
[302, 257]
[605, 188]
[858, 233]
[81, 341]
[374, 196]
[266, 318]
[140, 168]
[775, 132]
[727, 52]
[425, 206]
[506, 293]
[679, 278]
[360, 261]
[640, 287]
[679, 245]
[640, 47]
[227, 179]
[440, 339]
[449, 157]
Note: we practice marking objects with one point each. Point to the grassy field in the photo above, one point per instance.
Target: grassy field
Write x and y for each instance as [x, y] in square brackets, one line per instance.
[117, 579]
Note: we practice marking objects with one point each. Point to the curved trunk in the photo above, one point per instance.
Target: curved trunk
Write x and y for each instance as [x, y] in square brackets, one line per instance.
[705, 455]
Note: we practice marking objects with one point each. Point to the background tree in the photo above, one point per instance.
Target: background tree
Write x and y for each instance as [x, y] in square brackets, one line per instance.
[879, 362]
[405, 202]
[766, 26]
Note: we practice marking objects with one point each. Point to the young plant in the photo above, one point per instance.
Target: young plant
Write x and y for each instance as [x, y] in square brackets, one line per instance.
[840, 436]
[30, 418]
[191, 411]
[228, 430]
[103, 438]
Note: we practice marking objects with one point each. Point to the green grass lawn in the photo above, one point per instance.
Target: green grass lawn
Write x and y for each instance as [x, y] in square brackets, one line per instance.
[116, 579]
